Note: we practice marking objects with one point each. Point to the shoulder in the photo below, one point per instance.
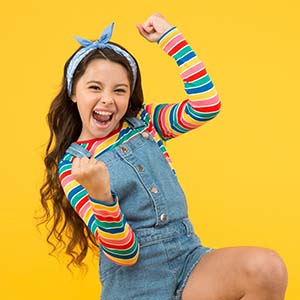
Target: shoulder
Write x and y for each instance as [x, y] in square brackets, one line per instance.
[143, 113]
[65, 164]
[148, 110]
[66, 158]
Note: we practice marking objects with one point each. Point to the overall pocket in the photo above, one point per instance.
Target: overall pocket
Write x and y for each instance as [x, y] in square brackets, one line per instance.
[106, 267]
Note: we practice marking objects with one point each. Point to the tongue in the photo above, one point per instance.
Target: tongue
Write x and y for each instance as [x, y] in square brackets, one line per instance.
[101, 118]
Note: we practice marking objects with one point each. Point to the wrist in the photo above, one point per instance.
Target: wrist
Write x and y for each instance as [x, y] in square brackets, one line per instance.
[166, 33]
[100, 197]
[108, 201]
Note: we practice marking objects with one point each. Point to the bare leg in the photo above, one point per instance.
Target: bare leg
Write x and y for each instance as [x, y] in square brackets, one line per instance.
[246, 273]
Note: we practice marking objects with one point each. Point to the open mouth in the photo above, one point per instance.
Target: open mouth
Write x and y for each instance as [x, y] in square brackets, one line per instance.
[103, 117]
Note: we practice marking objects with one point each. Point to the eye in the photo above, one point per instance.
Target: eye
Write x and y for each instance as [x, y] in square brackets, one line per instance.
[120, 91]
[94, 87]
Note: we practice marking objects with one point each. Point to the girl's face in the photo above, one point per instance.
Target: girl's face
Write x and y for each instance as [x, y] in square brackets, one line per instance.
[102, 95]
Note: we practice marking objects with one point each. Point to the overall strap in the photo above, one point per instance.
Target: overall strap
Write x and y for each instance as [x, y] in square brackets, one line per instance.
[135, 122]
[78, 151]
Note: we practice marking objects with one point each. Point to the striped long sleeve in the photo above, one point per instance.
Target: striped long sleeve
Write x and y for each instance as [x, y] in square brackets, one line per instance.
[105, 221]
[202, 105]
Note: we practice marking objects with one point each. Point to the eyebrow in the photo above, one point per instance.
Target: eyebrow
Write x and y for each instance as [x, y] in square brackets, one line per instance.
[98, 82]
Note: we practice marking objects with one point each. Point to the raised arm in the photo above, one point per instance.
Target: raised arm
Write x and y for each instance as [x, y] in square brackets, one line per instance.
[202, 103]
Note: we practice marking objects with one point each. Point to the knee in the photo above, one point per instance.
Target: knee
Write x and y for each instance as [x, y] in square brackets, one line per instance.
[267, 270]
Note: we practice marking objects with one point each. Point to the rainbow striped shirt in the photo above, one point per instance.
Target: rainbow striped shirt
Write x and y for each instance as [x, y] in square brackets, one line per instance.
[163, 122]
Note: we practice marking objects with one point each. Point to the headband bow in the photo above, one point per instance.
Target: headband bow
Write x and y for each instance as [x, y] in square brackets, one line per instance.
[88, 46]
[103, 39]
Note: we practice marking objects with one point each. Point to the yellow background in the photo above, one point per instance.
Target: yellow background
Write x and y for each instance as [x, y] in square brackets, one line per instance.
[240, 172]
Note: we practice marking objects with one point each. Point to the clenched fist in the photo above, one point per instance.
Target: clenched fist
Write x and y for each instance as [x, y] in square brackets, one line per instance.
[154, 27]
[93, 175]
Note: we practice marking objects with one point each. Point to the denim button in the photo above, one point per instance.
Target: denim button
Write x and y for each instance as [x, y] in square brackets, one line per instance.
[145, 135]
[140, 168]
[123, 149]
[163, 218]
[154, 190]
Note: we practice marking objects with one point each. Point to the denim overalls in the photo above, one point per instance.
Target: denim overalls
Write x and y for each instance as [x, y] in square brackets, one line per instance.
[155, 207]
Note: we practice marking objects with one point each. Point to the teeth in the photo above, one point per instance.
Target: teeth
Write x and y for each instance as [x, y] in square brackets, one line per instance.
[103, 113]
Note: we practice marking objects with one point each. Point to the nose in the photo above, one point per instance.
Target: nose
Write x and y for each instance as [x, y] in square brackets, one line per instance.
[106, 98]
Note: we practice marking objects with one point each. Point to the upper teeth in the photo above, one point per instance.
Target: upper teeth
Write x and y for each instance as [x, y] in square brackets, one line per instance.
[103, 113]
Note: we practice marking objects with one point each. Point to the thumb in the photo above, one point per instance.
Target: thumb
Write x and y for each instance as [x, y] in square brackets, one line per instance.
[147, 32]
[142, 31]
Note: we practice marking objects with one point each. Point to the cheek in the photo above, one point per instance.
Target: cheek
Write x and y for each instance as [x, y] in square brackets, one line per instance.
[86, 100]
[123, 105]
[84, 108]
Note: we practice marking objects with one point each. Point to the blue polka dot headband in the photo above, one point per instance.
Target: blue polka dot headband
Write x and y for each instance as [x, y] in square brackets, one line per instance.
[89, 46]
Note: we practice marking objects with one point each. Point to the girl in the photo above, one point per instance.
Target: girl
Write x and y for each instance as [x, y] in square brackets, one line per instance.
[110, 182]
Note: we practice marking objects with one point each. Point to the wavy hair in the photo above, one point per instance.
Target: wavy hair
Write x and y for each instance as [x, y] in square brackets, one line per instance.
[66, 229]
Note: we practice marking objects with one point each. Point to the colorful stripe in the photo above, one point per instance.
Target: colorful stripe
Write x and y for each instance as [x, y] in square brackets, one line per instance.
[163, 122]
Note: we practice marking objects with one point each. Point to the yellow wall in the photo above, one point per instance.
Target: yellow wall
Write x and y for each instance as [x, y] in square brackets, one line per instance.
[245, 191]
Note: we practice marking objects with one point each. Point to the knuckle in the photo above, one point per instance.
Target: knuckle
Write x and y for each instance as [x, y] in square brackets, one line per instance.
[101, 164]
[75, 175]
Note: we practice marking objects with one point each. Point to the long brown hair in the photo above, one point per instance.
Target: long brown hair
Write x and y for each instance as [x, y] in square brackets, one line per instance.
[66, 229]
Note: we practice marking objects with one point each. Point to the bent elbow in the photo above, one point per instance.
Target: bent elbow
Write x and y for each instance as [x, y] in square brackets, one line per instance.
[124, 259]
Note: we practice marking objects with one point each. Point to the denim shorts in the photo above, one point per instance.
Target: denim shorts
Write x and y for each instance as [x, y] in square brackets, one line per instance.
[168, 255]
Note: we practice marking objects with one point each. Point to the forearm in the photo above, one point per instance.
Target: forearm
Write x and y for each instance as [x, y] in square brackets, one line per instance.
[116, 237]
[105, 221]
[202, 102]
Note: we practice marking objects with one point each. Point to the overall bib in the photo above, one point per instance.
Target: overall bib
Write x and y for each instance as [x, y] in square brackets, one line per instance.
[155, 207]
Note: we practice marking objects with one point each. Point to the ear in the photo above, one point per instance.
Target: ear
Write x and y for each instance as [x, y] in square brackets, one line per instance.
[73, 98]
